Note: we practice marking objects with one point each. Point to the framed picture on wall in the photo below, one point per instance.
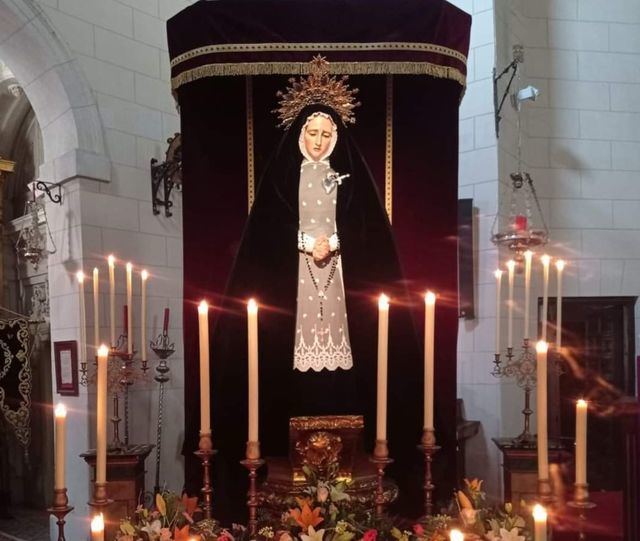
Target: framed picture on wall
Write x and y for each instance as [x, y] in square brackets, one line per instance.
[66, 361]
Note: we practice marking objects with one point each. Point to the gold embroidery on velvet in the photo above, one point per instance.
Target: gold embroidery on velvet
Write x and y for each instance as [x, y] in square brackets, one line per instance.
[251, 176]
[318, 47]
[388, 156]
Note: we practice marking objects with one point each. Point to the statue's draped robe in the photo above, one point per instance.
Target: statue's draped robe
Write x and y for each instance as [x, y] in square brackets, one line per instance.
[266, 268]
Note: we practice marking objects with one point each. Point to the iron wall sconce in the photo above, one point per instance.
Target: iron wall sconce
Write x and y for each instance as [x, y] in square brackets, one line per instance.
[167, 175]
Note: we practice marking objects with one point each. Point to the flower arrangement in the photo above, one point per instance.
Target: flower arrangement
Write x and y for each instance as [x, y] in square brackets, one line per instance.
[325, 512]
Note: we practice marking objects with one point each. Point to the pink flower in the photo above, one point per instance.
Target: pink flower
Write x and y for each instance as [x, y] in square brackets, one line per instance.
[165, 534]
[418, 530]
[370, 535]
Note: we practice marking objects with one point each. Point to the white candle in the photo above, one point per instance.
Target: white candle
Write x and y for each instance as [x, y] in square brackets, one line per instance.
[83, 317]
[541, 417]
[112, 299]
[383, 344]
[581, 442]
[498, 275]
[429, 339]
[101, 415]
[545, 294]
[252, 346]
[527, 290]
[144, 275]
[203, 323]
[560, 267]
[60, 416]
[540, 523]
[96, 308]
[511, 266]
[456, 535]
[129, 309]
[97, 528]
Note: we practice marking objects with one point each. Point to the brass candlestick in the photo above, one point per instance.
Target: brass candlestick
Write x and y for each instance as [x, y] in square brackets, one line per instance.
[545, 494]
[582, 504]
[253, 463]
[60, 509]
[99, 497]
[205, 453]
[381, 459]
[429, 448]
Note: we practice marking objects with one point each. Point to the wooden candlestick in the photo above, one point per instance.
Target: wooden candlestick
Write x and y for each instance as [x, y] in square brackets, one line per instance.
[381, 459]
[253, 465]
[60, 509]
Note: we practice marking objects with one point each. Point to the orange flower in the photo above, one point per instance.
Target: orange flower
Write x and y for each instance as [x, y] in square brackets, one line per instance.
[181, 534]
[190, 504]
[305, 516]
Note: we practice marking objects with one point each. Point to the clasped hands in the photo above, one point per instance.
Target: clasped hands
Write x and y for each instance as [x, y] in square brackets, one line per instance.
[321, 248]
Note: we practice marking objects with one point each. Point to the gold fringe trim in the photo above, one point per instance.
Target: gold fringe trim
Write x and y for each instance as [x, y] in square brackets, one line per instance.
[251, 174]
[388, 156]
[318, 48]
[302, 68]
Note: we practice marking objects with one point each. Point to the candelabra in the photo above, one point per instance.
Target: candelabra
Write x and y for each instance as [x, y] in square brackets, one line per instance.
[381, 460]
[163, 347]
[60, 509]
[253, 463]
[429, 448]
[523, 370]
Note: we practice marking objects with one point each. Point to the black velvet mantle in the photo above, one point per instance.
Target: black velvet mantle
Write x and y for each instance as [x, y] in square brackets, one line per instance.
[425, 139]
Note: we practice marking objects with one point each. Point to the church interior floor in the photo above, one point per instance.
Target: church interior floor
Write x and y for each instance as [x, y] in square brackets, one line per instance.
[26, 525]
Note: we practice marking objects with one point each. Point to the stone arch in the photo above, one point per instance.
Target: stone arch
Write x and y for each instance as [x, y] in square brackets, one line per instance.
[59, 93]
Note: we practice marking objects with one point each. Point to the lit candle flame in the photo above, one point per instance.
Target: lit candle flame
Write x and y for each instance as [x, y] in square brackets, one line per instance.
[203, 307]
[582, 403]
[545, 260]
[112, 260]
[383, 302]
[61, 411]
[430, 297]
[528, 255]
[498, 274]
[456, 535]
[103, 351]
[542, 346]
[560, 264]
[97, 523]
[252, 306]
[511, 265]
[129, 266]
[144, 274]
[539, 513]
[80, 277]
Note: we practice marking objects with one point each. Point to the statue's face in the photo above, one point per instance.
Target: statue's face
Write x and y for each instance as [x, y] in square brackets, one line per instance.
[317, 136]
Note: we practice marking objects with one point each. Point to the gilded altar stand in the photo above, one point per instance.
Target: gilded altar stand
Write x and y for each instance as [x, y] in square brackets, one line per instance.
[325, 445]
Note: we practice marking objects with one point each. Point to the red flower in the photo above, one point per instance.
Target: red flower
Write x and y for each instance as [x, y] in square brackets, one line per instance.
[418, 530]
[370, 535]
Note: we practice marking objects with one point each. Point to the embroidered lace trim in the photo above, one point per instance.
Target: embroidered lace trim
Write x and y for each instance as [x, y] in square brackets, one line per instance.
[323, 353]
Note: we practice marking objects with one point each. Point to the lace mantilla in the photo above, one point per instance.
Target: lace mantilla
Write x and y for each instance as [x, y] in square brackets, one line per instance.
[323, 352]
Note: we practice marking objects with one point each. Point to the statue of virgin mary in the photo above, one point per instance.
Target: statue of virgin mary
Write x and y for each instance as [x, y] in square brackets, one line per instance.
[316, 252]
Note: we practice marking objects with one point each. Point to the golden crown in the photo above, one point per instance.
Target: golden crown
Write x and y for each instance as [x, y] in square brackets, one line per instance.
[317, 87]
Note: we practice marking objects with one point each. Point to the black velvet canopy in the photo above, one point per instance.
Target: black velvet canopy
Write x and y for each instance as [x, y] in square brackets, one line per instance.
[423, 44]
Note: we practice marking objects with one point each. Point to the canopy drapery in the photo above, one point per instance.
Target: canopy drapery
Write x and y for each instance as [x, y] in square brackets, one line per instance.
[408, 60]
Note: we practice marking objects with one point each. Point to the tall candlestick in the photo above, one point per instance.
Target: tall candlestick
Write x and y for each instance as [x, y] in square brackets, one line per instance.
[511, 266]
[252, 333]
[581, 442]
[101, 415]
[129, 309]
[540, 523]
[429, 339]
[527, 290]
[383, 343]
[60, 416]
[83, 317]
[560, 267]
[143, 314]
[541, 397]
[545, 294]
[96, 308]
[97, 528]
[498, 275]
[112, 299]
[203, 323]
